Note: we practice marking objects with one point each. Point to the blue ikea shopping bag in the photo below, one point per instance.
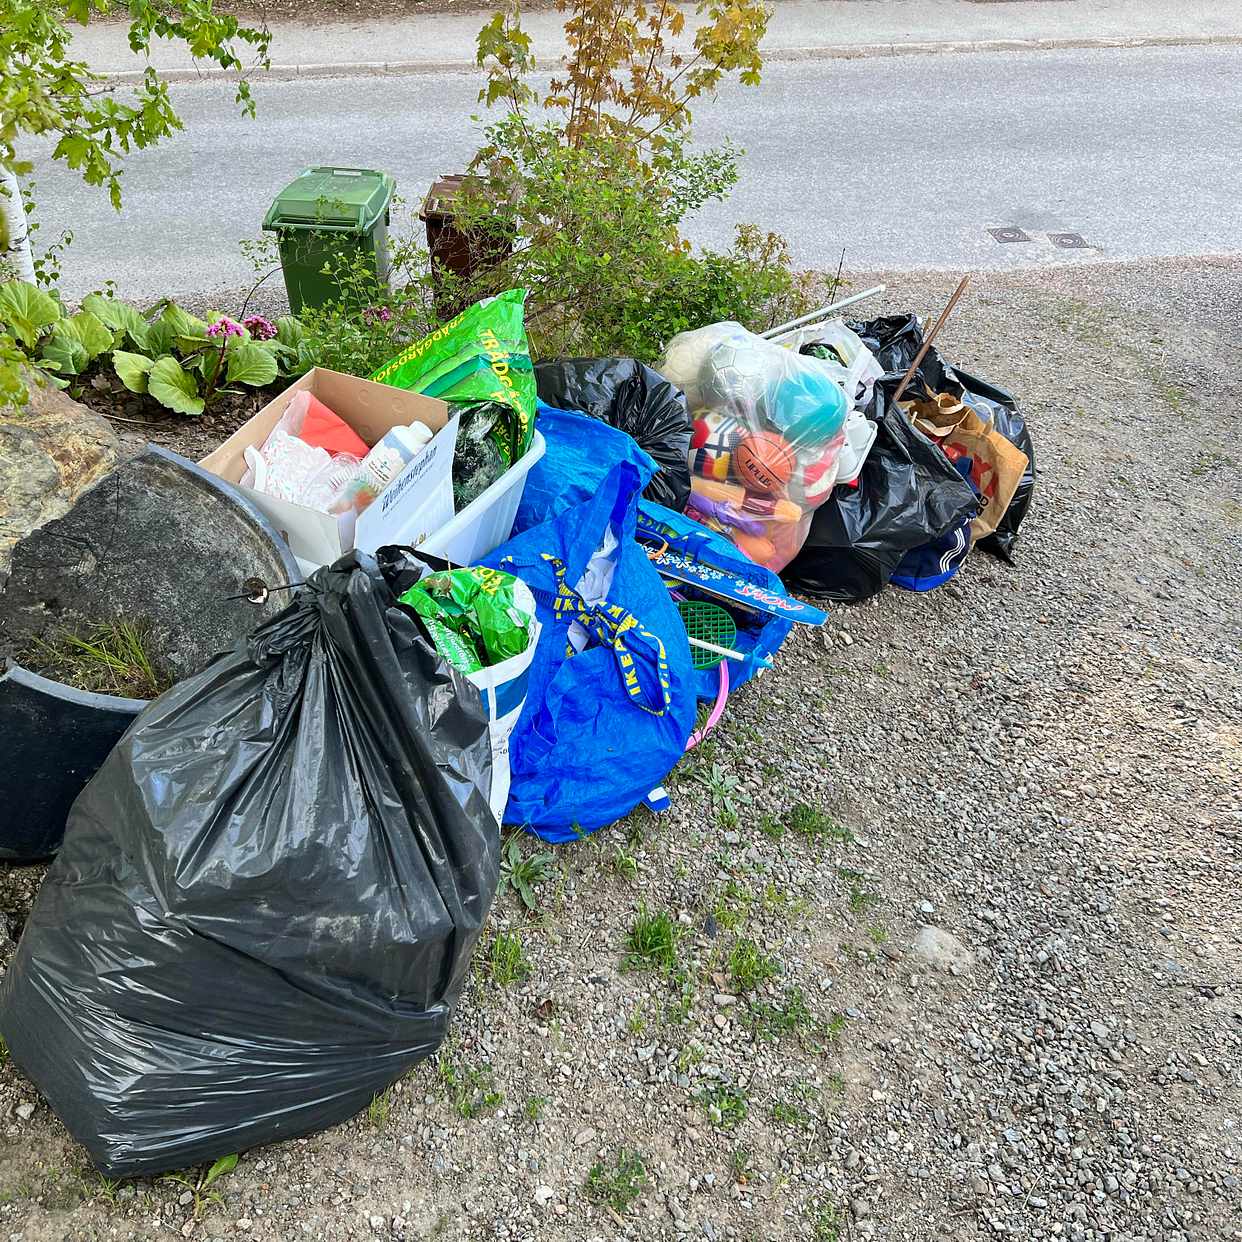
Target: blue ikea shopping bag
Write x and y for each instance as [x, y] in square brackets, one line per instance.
[610, 699]
[579, 453]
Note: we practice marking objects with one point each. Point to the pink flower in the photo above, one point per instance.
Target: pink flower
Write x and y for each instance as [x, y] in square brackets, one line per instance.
[226, 327]
[259, 328]
[377, 314]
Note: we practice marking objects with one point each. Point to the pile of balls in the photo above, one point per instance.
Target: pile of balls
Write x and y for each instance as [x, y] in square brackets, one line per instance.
[767, 435]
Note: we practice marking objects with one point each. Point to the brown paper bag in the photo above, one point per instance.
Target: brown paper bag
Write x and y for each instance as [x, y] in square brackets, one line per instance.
[996, 470]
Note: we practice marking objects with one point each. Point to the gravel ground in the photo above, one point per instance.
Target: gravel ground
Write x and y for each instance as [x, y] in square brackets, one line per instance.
[987, 981]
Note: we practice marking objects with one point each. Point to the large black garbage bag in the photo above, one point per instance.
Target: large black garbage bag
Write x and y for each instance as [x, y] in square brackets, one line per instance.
[635, 399]
[908, 494]
[895, 340]
[267, 897]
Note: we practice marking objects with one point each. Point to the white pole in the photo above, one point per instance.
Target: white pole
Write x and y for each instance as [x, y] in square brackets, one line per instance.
[773, 334]
[16, 253]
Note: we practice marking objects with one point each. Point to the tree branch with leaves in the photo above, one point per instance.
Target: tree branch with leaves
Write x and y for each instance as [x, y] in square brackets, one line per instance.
[46, 93]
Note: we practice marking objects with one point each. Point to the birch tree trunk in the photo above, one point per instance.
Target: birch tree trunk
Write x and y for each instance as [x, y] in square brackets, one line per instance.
[14, 232]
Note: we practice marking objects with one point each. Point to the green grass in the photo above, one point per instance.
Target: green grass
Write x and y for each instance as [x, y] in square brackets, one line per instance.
[619, 1186]
[625, 864]
[471, 1091]
[876, 934]
[813, 825]
[679, 1008]
[506, 961]
[826, 1224]
[105, 657]
[790, 1108]
[652, 942]
[770, 826]
[788, 1016]
[860, 898]
[741, 1164]
[732, 907]
[534, 1106]
[726, 1107]
[380, 1109]
[749, 966]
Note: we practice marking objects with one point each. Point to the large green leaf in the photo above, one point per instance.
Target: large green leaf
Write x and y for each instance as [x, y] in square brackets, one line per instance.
[94, 334]
[171, 386]
[289, 331]
[250, 363]
[182, 322]
[120, 317]
[65, 351]
[187, 345]
[27, 311]
[132, 369]
[161, 339]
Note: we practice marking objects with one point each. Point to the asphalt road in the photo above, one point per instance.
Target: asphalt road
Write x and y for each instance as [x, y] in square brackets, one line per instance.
[904, 162]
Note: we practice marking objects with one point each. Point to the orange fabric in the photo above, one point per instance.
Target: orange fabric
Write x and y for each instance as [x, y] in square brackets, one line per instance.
[327, 430]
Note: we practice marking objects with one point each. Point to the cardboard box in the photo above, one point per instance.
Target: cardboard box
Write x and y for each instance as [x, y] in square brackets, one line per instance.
[415, 504]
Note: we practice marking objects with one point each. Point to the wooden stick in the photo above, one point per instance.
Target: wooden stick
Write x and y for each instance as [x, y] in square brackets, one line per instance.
[931, 336]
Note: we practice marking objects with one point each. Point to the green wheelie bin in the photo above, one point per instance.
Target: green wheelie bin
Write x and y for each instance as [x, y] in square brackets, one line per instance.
[330, 217]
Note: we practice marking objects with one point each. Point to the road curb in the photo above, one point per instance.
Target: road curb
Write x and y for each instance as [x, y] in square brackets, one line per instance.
[857, 51]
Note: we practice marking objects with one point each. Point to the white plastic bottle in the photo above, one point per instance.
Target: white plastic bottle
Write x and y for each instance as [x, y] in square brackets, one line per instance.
[384, 462]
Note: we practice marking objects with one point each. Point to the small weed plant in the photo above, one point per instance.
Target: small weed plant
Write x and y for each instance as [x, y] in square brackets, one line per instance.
[741, 1164]
[625, 864]
[471, 1090]
[523, 873]
[200, 1184]
[506, 960]
[813, 825]
[860, 897]
[749, 966]
[380, 1109]
[778, 1020]
[621, 1184]
[721, 785]
[652, 942]
[726, 1106]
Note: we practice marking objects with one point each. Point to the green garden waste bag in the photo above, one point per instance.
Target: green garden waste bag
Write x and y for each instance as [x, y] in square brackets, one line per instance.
[472, 616]
[481, 355]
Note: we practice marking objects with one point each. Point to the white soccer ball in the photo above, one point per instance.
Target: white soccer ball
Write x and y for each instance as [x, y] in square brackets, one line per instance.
[685, 360]
[736, 377]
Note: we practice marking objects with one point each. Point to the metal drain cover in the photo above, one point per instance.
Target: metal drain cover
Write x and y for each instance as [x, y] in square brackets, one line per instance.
[1009, 235]
[1069, 241]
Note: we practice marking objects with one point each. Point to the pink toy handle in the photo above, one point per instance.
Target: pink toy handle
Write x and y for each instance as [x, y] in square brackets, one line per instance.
[713, 718]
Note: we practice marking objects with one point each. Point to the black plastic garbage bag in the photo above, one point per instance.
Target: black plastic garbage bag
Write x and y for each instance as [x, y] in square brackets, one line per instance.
[267, 897]
[895, 340]
[908, 494]
[635, 399]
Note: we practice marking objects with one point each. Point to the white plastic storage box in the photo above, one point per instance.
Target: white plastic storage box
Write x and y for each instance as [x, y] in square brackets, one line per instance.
[415, 503]
[411, 509]
[487, 521]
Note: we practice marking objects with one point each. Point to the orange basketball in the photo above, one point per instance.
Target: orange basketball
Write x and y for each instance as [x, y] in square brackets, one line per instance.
[764, 462]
